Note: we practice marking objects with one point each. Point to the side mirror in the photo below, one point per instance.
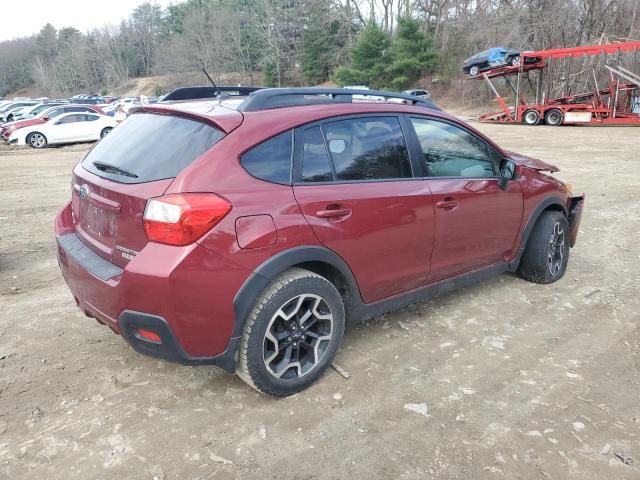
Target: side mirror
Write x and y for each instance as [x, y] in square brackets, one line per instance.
[509, 170]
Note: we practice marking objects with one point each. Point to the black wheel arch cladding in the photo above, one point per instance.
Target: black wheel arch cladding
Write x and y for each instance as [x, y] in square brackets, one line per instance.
[547, 203]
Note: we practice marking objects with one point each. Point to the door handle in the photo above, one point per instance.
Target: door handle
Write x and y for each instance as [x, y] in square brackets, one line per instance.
[448, 203]
[333, 212]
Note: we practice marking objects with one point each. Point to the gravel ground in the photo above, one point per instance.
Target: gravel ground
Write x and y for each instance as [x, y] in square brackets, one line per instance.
[506, 379]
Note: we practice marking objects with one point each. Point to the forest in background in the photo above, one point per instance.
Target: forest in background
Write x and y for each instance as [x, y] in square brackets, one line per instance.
[392, 44]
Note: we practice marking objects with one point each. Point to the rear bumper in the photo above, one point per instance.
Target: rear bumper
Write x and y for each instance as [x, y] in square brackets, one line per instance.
[183, 294]
[575, 216]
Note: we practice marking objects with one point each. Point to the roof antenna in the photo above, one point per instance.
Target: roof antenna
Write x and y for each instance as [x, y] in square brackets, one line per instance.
[220, 94]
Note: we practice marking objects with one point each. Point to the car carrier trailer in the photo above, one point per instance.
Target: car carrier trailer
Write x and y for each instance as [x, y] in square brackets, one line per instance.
[613, 97]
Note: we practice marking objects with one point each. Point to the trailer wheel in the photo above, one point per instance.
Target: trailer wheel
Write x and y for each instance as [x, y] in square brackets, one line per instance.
[531, 117]
[553, 117]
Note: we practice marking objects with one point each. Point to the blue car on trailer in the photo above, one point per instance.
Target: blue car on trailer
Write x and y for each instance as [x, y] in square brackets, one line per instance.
[494, 58]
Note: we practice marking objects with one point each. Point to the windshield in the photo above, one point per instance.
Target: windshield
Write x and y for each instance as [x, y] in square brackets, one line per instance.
[150, 147]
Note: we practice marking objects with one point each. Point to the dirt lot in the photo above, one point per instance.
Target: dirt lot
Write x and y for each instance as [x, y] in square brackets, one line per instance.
[520, 380]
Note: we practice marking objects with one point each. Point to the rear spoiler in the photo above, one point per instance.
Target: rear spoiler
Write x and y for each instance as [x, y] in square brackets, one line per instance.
[194, 93]
[226, 119]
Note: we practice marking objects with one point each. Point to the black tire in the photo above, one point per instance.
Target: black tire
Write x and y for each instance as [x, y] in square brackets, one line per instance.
[531, 117]
[36, 140]
[515, 61]
[546, 256]
[474, 70]
[105, 131]
[10, 117]
[553, 117]
[262, 359]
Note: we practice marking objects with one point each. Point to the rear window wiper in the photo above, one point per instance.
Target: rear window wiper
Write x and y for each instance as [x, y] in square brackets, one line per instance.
[108, 168]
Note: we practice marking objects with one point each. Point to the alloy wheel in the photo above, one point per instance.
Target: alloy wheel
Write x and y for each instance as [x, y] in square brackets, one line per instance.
[556, 250]
[297, 337]
[37, 140]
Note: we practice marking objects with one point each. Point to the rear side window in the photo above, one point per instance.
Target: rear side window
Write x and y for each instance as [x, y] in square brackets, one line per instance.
[148, 147]
[271, 160]
[71, 119]
[368, 149]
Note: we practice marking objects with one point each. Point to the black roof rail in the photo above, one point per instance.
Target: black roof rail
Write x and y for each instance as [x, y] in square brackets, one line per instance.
[269, 98]
[194, 93]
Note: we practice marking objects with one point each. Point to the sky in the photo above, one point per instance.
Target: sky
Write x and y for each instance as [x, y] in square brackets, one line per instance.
[21, 18]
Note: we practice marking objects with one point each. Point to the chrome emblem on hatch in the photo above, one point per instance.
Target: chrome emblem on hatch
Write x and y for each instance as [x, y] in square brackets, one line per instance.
[126, 252]
[84, 191]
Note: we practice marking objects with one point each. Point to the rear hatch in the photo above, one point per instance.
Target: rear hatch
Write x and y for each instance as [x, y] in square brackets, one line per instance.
[137, 161]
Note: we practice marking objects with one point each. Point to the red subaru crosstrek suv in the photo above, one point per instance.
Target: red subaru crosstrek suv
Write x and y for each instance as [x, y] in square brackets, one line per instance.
[246, 233]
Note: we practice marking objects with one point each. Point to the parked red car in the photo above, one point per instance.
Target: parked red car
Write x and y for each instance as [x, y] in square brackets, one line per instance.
[246, 235]
[7, 129]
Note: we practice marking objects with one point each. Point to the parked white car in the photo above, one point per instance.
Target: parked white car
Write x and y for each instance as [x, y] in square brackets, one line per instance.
[66, 128]
[6, 112]
[33, 111]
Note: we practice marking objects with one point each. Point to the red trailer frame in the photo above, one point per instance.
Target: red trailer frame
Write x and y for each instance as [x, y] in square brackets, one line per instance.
[613, 105]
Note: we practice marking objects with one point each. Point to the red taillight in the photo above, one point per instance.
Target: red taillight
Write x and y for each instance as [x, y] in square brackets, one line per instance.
[149, 335]
[180, 219]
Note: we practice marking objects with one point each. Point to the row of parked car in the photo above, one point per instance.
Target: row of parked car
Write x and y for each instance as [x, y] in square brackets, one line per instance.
[42, 122]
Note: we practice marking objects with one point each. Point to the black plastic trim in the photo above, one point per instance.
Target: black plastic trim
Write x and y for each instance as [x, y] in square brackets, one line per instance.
[357, 310]
[430, 291]
[87, 258]
[531, 222]
[271, 268]
[169, 348]
[269, 98]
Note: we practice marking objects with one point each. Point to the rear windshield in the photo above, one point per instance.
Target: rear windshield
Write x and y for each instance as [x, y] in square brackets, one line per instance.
[148, 147]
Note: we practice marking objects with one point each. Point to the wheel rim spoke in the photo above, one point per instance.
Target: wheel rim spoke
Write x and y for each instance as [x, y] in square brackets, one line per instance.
[556, 254]
[297, 337]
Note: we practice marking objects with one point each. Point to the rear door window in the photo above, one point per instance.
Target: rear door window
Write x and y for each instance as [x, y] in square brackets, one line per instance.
[148, 147]
[370, 148]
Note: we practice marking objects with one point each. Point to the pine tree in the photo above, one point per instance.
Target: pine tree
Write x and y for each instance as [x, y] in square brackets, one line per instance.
[368, 59]
[411, 54]
[320, 51]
